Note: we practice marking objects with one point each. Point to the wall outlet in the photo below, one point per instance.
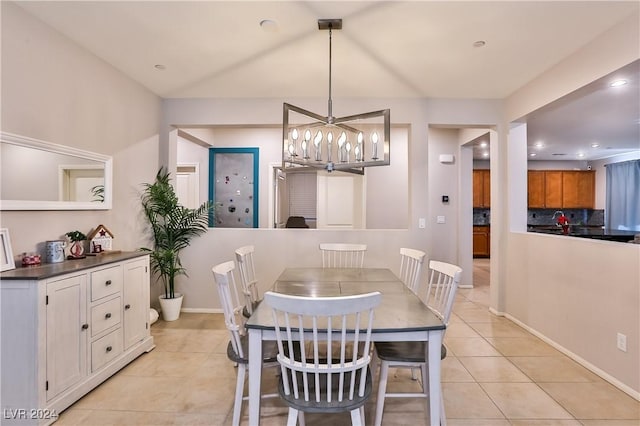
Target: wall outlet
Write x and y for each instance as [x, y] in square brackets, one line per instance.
[622, 342]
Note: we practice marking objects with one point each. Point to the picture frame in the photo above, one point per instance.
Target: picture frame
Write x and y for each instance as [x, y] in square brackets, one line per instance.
[6, 253]
[233, 187]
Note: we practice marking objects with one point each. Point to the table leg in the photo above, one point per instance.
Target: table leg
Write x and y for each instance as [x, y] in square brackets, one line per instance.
[435, 341]
[255, 375]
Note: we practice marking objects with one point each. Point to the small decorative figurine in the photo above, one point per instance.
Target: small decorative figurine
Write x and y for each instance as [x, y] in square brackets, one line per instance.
[100, 240]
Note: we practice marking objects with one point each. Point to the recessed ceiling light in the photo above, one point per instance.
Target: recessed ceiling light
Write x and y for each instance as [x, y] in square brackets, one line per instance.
[483, 144]
[269, 25]
[485, 154]
[595, 145]
[539, 145]
[618, 83]
[581, 154]
[533, 154]
[160, 67]
[479, 43]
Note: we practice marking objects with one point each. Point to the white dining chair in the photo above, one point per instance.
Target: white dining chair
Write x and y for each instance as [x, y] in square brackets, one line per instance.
[342, 255]
[411, 262]
[238, 347]
[246, 267]
[443, 284]
[321, 378]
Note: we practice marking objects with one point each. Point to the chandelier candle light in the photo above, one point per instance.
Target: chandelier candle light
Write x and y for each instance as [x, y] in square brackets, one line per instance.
[347, 144]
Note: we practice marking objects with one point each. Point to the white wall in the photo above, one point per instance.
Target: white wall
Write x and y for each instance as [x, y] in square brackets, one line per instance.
[55, 91]
[555, 285]
[289, 247]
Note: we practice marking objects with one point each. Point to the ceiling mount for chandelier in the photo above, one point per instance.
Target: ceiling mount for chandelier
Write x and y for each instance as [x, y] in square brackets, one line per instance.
[348, 144]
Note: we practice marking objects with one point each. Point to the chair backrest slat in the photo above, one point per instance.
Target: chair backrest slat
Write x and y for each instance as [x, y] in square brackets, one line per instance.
[248, 279]
[314, 323]
[443, 283]
[342, 255]
[411, 262]
[231, 303]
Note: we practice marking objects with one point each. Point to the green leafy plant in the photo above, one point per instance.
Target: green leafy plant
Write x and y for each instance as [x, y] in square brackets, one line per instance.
[75, 236]
[172, 227]
[98, 193]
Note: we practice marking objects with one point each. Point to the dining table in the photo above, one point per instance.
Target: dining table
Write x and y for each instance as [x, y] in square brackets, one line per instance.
[401, 316]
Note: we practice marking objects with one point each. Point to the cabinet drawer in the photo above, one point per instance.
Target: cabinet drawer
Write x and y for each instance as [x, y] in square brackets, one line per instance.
[105, 315]
[105, 282]
[105, 349]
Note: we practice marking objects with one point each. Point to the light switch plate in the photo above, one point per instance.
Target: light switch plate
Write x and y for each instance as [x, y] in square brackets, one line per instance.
[440, 219]
[422, 223]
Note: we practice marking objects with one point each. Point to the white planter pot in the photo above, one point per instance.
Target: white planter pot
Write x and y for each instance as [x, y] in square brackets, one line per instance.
[171, 307]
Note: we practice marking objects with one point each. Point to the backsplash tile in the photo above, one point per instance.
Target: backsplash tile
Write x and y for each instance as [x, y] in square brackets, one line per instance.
[587, 217]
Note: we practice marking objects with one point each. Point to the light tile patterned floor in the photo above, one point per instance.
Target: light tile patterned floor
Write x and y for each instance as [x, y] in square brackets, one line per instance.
[495, 374]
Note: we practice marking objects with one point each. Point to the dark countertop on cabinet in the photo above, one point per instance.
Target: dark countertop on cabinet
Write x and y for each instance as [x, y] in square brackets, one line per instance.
[48, 270]
[594, 232]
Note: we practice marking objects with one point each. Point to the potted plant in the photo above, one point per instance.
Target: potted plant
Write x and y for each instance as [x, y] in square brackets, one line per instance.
[77, 246]
[172, 228]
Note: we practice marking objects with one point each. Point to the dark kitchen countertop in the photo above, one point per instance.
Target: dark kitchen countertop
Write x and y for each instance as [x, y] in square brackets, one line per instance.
[594, 232]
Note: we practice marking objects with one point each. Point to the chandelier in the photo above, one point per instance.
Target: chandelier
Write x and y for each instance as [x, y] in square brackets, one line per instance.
[347, 144]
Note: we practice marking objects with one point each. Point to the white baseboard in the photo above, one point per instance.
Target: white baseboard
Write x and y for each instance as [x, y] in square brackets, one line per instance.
[202, 311]
[606, 376]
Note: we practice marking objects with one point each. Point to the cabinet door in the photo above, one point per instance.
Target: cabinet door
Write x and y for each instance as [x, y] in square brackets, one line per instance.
[553, 189]
[67, 332]
[570, 189]
[478, 188]
[136, 301]
[486, 188]
[480, 241]
[535, 189]
[586, 189]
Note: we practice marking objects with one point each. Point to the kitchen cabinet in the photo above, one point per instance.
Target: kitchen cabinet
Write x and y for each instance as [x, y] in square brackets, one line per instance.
[68, 327]
[481, 188]
[561, 189]
[578, 189]
[66, 346]
[481, 241]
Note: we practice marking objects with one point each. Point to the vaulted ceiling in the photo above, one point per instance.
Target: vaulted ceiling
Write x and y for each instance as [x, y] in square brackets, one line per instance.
[414, 49]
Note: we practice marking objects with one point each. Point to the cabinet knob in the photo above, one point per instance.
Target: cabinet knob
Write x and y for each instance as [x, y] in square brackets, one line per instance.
[109, 348]
[108, 282]
[127, 306]
[85, 326]
[108, 315]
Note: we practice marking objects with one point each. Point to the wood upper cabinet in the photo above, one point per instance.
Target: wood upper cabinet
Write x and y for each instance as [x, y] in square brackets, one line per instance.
[481, 188]
[535, 191]
[553, 189]
[578, 189]
[561, 189]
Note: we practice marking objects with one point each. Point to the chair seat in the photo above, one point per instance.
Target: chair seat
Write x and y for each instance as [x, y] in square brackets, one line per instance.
[324, 406]
[404, 351]
[269, 351]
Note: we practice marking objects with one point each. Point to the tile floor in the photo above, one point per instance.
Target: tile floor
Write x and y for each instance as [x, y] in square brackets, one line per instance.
[495, 374]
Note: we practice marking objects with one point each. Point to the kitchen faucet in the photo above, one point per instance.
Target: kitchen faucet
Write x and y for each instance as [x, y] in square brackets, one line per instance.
[558, 212]
[562, 221]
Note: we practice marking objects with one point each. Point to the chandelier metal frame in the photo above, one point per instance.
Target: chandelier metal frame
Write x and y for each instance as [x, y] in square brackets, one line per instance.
[326, 142]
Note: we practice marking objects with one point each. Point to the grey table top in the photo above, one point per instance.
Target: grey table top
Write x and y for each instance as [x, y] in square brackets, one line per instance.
[399, 311]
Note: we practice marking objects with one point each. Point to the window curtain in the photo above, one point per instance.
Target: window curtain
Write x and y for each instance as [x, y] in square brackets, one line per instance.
[623, 196]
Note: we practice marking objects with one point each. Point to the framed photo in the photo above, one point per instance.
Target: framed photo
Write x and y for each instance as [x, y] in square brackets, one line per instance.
[6, 254]
[233, 187]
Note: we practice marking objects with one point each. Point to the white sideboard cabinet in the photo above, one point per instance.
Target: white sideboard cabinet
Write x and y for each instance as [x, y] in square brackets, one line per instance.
[66, 328]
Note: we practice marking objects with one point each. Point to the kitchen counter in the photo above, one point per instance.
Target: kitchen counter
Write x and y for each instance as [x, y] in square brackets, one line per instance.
[593, 232]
